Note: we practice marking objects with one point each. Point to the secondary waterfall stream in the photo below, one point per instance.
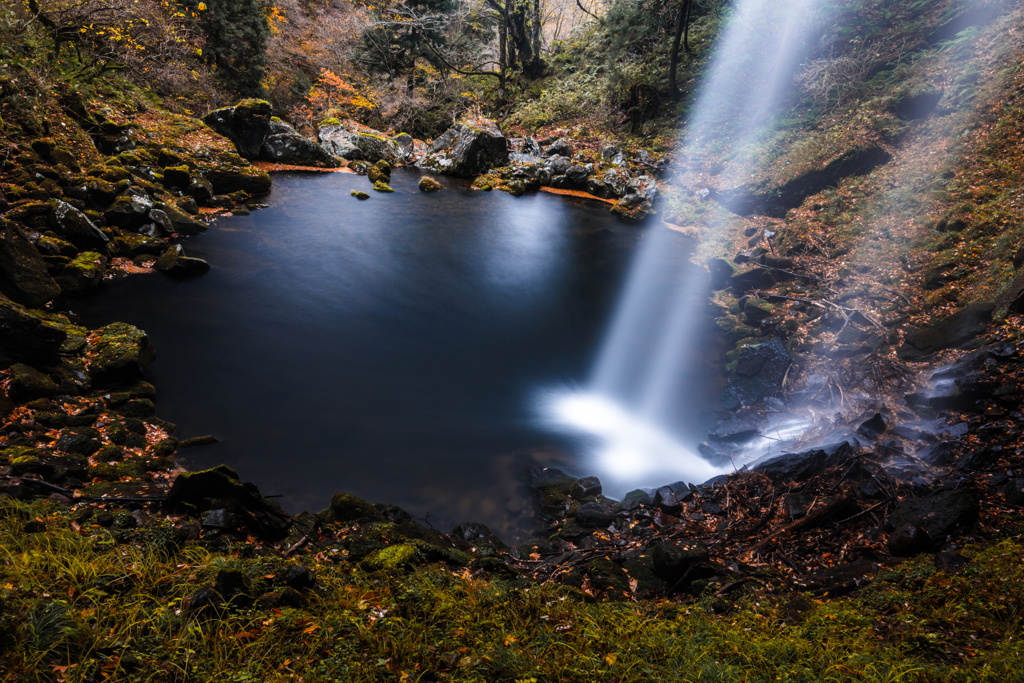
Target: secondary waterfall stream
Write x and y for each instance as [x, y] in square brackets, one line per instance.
[391, 348]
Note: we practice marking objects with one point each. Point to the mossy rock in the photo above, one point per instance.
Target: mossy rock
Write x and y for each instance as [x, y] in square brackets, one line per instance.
[348, 508]
[401, 556]
[381, 186]
[428, 184]
[120, 351]
[82, 274]
[359, 194]
[28, 383]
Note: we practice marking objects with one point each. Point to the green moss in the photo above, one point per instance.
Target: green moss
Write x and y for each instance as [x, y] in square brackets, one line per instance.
[381, 186]
[398, 556]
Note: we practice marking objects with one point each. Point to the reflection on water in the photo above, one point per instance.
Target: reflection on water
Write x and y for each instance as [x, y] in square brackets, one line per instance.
[390, 347]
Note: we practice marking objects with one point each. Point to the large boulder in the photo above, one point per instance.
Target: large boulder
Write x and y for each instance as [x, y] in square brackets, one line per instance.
[352, 145]
[119, 351]
[469, 151]
[296, 150]
[759, 372]
[26, 336]
[941, 514]
[247, 125]
[219, 489]
[23, 273]
[75, 226]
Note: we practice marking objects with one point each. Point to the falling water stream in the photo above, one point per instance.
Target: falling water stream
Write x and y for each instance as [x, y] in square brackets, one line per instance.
[641, 388]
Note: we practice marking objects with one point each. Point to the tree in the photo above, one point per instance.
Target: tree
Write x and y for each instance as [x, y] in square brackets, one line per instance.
[682, 29]
[237, 33]
[404, 31]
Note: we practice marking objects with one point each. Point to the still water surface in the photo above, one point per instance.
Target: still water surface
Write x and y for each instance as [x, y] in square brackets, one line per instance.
[392, 348]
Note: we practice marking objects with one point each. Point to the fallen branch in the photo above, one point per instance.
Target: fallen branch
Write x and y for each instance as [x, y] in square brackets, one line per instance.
[808, 520]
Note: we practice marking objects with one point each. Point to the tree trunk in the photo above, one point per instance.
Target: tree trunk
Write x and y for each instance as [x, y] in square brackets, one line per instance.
[502, 55]
[682, 24]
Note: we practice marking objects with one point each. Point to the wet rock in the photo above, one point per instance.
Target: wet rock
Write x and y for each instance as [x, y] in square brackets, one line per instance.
[941, 514]
[381, 186]
[873, 428]
[83, 274]
[606, 575]
[635, 499]
[128, 211]
[587, 487]
[593, 516]
[553, 486]
[247, 125]
[908, 540]
[954, 330]
[76, 226]
[220, 488]
[675, 563]
[734, 430]
[205, 602]
[300, 578]
[26, 336]
[353, 146]
[576, 176]
[289, 148]
[169, 258]
[179, 221]
[28, 383]
[804, 465]
[347, 508]
[119, 351]
[467, 151]
[359, 194]
[177, 176]
[189, 265]
[197, 441]
[221, 519]
[23, 273]
[560, 147]
[759, 372]
[672, 496]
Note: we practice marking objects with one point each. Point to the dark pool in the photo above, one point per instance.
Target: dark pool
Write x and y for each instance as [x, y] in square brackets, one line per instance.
[392, 348]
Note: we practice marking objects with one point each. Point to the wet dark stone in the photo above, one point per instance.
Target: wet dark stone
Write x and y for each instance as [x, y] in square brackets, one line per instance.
[635, 499]
[802, 466]
[672, 496]
[733, 430]
[908, 540]
[231, 583]
[219, 519]
[606, 575]
[347, 508]
[958, 328]
[942, 514]
[586, 487]
[247, 125]
[593, 516]
[26, 337]
[872, 428]
[673, 561]
[759, 372]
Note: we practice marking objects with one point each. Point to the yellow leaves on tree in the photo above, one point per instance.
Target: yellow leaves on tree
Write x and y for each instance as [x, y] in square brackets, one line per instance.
[333, 94]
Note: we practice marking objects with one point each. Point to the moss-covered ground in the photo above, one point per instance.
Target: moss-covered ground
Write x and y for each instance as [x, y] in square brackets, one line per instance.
[82, 602]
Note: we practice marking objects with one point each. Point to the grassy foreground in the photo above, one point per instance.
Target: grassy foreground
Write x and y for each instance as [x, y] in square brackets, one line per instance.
[82, 602]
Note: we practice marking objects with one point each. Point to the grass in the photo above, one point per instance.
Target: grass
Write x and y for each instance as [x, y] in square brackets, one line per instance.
[113, 604]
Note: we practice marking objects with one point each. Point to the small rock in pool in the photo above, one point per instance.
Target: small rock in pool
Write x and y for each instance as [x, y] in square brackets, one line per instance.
[430, 185]
[197, 441]
[359, 194]
[381, 186]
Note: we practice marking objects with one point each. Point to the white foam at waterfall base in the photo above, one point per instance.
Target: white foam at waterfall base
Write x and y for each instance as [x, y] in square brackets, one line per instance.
[631, 451]
[627, 412]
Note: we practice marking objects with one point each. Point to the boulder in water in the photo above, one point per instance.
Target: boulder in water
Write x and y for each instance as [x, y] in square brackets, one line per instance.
[296, 150]
[467, 151]
[247, 125]
[23, 273]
